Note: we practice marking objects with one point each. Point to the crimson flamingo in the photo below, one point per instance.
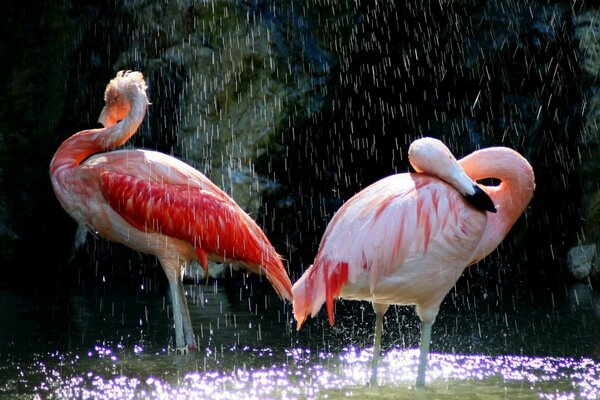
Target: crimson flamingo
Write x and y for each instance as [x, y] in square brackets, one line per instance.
[156, 204]
[406, 238]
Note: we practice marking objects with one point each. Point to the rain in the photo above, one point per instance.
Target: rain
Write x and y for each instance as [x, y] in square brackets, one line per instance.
[291, 108]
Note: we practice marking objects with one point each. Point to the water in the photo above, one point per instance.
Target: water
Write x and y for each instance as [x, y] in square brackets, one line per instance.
[108, 341]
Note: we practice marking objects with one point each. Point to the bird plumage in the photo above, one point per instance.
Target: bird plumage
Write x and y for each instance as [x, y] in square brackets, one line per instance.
[407, 238]
[392, 234]
[155, 203]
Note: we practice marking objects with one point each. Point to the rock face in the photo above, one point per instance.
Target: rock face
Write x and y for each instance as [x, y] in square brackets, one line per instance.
[240, 75]
[587, 29]
[294, 106]
[581, 260]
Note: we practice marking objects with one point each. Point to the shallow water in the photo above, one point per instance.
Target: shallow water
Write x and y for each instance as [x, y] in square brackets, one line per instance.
[112, 342]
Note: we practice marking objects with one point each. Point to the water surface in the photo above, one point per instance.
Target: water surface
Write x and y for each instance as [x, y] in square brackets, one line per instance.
[108, 341]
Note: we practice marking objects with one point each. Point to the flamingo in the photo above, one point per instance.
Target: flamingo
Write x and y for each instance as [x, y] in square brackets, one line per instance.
[156, 204]
[406, 238]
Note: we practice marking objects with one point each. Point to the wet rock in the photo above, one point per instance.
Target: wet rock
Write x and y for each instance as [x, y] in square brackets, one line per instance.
[236, 84]
[587, 28]
[587, 31]
[581, 260]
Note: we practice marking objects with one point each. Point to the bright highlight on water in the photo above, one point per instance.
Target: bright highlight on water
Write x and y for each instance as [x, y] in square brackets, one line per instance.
[120, 374]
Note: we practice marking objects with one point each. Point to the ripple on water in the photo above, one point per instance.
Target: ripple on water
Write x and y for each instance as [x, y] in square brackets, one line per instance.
[245, 373]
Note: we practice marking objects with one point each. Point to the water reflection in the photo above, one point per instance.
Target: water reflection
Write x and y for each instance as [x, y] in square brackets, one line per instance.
[113, 343]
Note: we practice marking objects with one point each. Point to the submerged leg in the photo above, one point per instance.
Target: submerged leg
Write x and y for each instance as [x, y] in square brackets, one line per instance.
[380, 310]
[184, 333]
[176, 305]
[188, 330]
[424, 351]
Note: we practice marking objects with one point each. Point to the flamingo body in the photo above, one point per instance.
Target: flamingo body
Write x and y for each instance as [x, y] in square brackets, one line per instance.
[155, 203]
[403, 240]
[407, 238]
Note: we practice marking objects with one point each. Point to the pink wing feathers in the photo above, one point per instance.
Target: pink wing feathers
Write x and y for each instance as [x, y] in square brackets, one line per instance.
[206, 218]
[387, 224]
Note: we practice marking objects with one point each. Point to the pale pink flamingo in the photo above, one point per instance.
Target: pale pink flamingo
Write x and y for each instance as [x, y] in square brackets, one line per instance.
[156, 204]
[407, 238]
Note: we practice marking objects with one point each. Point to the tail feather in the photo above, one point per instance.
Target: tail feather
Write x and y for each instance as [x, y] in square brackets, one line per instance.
[262, 258]
[275, 272]
[302, 296]
[321, 283]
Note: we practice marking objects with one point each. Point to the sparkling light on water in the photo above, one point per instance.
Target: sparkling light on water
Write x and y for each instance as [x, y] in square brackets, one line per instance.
[306, 375]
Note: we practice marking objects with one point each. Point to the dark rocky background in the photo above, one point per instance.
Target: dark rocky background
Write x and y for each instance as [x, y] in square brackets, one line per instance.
[294, 106]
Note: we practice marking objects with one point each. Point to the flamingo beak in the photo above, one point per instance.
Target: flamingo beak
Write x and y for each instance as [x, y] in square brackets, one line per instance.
[481, 200]
[105, 118]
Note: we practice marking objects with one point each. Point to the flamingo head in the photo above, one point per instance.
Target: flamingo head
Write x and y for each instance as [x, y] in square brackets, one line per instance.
[431, 156]
[121, 92]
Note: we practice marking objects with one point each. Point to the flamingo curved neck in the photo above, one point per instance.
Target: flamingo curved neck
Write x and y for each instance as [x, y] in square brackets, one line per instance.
[73, 151]
[510, 197]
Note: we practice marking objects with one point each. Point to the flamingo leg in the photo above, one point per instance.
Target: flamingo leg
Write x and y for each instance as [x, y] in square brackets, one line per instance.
[380, 310]
[424, 351]
[184, 334]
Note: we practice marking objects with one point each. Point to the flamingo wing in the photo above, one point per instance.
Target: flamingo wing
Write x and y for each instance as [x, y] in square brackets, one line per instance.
[152, 166]
[208, 219]
[398, 221]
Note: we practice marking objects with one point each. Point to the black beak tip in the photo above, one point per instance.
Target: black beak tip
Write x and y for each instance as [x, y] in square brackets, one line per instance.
[481, 200]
